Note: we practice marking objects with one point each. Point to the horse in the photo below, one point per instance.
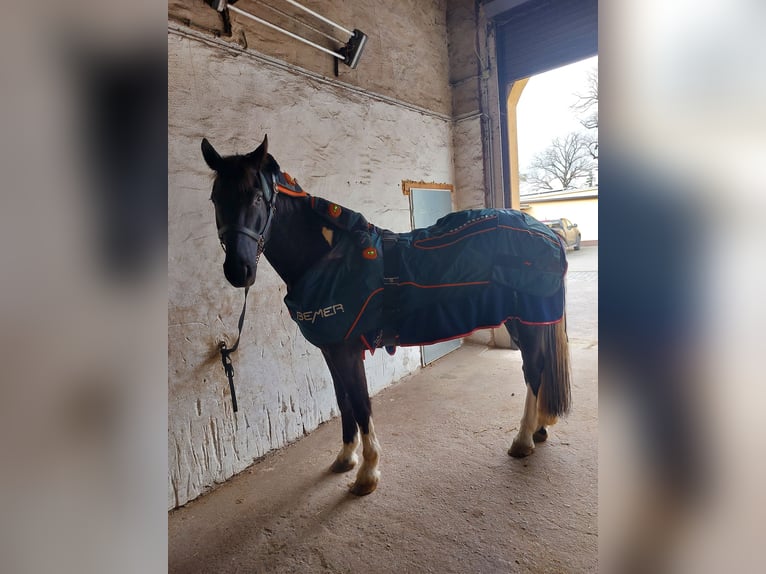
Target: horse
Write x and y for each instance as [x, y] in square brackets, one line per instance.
[260, 209]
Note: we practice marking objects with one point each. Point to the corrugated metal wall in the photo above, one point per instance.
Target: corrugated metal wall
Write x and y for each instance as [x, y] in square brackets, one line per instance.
[541, 35]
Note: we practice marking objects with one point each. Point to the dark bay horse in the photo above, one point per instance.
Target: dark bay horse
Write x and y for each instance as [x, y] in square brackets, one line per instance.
[260, 209]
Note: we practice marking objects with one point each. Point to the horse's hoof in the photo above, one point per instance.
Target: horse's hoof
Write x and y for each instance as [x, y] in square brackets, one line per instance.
[540, 435]
[340, 466]
[363, 488]
[366, 482]
[519, 450]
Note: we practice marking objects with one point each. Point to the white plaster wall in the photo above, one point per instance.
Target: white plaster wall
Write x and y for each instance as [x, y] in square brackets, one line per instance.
[337, 143]
[469, 164]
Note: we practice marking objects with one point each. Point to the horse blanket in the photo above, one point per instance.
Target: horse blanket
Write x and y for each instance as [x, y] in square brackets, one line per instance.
[471, 270]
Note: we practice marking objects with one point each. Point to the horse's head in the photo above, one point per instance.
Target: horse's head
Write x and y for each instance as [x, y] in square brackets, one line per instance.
[243, 196]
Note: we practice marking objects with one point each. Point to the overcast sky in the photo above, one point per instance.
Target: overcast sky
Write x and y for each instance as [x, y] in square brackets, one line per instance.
[544, 111]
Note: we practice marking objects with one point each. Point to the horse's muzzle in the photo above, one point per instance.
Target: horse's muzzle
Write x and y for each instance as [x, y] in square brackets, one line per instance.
[239, 273]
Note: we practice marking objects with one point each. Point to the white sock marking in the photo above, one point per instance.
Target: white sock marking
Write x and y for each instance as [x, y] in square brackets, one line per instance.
[348, 451]
[528, 421]
[368, 472]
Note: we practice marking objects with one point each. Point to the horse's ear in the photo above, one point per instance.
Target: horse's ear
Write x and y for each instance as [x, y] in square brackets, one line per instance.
[212, 159]
[258, 156]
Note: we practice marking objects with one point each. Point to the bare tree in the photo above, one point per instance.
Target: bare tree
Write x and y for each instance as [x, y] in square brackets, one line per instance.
[564, 162]
[587, 103]
[591, 142]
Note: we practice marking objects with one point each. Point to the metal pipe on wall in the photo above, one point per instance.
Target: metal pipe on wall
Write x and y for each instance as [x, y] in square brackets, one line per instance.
[320, 17]
[286, 32]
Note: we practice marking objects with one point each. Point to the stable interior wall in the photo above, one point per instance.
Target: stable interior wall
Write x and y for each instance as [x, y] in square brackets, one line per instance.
[352, 139]
[405, 57]
[465, 76]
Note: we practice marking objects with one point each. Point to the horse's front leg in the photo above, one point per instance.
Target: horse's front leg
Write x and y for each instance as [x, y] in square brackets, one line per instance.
[347, 370]
[347, 457]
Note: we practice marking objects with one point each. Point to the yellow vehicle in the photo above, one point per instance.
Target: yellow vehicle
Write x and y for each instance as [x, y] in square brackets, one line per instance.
[566, 230]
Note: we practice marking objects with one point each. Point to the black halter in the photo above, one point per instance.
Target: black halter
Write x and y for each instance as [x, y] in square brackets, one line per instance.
[270, 196]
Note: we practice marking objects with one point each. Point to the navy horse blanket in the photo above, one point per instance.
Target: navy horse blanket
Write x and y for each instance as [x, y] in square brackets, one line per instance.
[471, 270]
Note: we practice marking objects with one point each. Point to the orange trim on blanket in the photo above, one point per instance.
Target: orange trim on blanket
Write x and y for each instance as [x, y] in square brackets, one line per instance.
[290, 192]
[458, 240]
[544, 324]
[454, 231]
[468, 284]
[462, 228]
[543, 235]
[361, 311]
[371, 349]
[467, 334]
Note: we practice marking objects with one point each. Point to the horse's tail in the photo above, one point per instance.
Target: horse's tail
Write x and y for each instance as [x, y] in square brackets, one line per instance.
[554, 398]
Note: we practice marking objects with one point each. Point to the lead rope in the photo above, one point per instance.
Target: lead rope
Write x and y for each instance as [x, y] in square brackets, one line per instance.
[226, 353]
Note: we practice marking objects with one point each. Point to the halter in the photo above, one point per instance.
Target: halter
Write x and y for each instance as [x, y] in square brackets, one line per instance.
[259, 236]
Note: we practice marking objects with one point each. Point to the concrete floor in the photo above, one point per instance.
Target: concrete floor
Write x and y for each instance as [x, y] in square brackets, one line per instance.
[450, 498]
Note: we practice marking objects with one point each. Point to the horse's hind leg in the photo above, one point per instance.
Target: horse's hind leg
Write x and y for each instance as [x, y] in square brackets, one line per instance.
[545, 353]
[347, 369]
[524, 443]
[531, 430]
[541, 434]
